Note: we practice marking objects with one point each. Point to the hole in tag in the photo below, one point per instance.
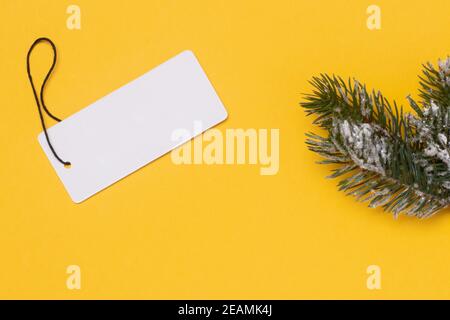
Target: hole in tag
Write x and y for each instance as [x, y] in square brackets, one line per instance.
[68, 165]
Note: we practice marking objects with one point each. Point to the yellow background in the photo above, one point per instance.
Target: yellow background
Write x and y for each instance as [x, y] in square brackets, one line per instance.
[225, 231]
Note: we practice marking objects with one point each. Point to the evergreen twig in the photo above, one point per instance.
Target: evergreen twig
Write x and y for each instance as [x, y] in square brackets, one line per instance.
[389, 158]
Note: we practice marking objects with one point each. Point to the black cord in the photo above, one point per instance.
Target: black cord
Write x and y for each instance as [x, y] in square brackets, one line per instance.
[41, 102]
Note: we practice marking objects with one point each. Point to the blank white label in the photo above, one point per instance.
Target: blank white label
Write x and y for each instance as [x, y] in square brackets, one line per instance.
[132, 126]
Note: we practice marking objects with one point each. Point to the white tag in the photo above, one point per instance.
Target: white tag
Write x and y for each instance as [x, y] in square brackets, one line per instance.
[132, 126]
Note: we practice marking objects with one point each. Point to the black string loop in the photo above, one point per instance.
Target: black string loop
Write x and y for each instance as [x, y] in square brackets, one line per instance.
[41, 103]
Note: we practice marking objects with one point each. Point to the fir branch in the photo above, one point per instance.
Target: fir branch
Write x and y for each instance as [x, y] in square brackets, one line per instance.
[397, 160]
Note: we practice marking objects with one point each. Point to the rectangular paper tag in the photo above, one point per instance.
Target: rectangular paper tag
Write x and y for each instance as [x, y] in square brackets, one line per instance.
[132, 126]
